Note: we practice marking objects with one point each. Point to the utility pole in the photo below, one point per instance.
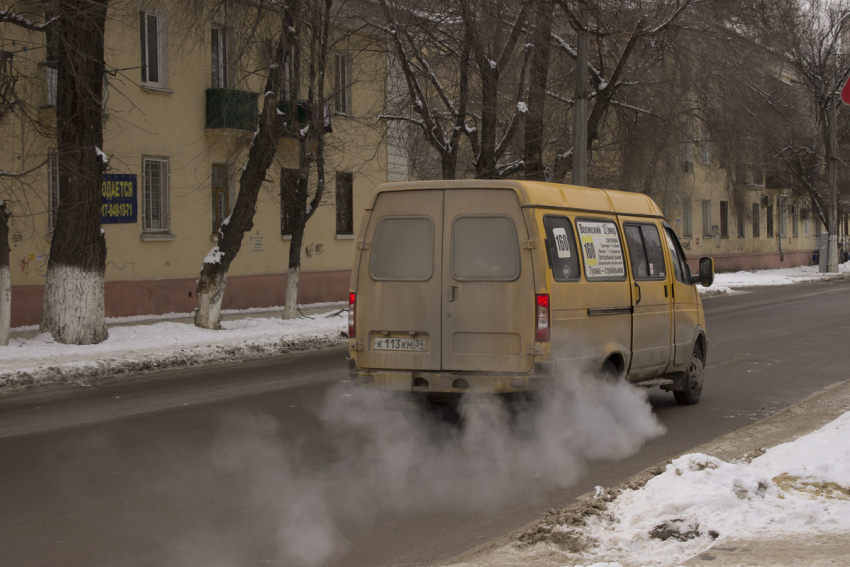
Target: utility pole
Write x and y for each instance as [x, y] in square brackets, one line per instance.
[580, 129]
[832, 251]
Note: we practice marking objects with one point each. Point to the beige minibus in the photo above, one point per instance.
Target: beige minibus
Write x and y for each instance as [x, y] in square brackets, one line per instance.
[499, 287]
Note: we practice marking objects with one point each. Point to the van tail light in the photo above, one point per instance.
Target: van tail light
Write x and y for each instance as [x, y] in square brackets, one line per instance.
[542, 318]
[351, 301]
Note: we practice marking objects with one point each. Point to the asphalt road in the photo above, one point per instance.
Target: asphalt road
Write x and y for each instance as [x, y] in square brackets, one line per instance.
[279, 462]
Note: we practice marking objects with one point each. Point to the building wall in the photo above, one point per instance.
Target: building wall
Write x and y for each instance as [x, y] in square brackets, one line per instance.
[146, 276]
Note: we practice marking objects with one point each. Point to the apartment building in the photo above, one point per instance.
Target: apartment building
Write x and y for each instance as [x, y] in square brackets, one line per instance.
[179, 112]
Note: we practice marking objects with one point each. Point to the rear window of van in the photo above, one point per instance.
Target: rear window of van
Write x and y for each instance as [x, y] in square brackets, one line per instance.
[403, 249]
[485, 248]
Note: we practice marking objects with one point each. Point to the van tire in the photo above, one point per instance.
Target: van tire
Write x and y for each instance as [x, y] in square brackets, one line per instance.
[692, 383]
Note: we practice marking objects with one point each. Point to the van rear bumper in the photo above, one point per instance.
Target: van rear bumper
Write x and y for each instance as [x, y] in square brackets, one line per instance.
[446, 382]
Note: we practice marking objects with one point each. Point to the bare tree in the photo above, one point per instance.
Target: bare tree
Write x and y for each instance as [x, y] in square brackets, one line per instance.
[213, 279]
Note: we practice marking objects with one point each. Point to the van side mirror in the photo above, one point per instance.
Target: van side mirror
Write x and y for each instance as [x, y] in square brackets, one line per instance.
[706, 271]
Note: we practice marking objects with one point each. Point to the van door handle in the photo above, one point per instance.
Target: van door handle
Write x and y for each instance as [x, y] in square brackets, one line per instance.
[639, 295]
[452, 292]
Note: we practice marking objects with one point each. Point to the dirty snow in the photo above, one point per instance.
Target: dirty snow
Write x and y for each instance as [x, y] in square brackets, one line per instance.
[723, 283]
[133, 348]
[793, 489]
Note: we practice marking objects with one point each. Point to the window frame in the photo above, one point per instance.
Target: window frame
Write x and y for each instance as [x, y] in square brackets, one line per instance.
[770, 219]
[756, 220]
[741, 221]
[477, 279]
[343, 100]
[161, 48]
[550, 250]
[165, 196]
[287, 214]
[376, 244]
[707, 231]
[687, 219]
[349, 203]
[219, 58]
[783, 217]
[583, 251]
[645, 251]
[724, 219]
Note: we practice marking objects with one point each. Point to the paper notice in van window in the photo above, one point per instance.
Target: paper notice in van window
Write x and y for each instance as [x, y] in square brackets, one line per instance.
[600, 247]
[561, 242]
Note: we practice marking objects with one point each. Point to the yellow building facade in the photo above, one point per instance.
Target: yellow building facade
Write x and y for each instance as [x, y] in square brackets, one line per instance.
[176, 141]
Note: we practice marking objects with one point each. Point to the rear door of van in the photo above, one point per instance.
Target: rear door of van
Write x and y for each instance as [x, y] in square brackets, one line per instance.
[444, 283]
[399, 285]
[488, 283]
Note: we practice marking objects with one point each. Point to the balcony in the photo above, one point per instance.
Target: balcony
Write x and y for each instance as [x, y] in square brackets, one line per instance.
[229, 108]
[749, 177]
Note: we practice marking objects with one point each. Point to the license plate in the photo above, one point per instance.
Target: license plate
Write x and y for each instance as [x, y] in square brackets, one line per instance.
[386, 343]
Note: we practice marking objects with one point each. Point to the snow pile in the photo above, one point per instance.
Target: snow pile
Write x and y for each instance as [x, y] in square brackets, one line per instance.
[214, 256]
[135, 348]
[782, 276]
[792, 489]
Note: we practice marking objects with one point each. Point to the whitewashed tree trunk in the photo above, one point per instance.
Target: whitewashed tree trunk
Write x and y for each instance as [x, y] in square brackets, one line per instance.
[5, 304]
[290, 311]
[208, 314]
[73, 308]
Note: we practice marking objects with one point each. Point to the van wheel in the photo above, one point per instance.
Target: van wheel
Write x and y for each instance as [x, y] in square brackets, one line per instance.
[609, 372]
[693, 381]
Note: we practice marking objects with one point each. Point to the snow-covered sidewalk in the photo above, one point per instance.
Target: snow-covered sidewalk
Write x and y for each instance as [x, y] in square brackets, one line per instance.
[727, 282]
[787, 505]
[149, 343]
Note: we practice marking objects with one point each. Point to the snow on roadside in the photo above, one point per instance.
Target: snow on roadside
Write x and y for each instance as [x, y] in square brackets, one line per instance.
[797, 488]
[723, 282]
[134, 348]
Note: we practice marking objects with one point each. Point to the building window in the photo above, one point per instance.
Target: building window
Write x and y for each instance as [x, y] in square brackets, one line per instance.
[795, 229]
[218, 63]
[155, 197]
[705, 146]
[153, 46]
[220, 196]
[344, 203]
[52, 186]
[706, 218]
[804, 216]
[724, 219]
[770, 221]
[51, 65]
[783, 222]
[288, 190]
[687, 220]
[741, 220]
[756, 220]
[342, 66]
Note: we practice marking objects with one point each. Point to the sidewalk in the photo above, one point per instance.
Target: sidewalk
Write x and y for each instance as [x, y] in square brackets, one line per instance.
[187, 318]
[564, 539]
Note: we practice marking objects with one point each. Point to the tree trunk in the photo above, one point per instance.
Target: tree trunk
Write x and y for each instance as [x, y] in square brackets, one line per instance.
[5, 277]
[304, 211]
[534, 122]
[73, 309]
[213, 281]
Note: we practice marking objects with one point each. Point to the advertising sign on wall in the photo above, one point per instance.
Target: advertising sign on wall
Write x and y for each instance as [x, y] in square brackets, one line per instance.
[118, 199]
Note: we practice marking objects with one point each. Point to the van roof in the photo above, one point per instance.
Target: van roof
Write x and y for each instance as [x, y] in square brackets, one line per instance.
[544, 195]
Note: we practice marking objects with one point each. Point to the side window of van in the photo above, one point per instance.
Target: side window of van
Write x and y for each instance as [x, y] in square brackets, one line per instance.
[561, 246]
[645, 252]
[485, 248]
[601, 250]
[680, 264]
[403, 249]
